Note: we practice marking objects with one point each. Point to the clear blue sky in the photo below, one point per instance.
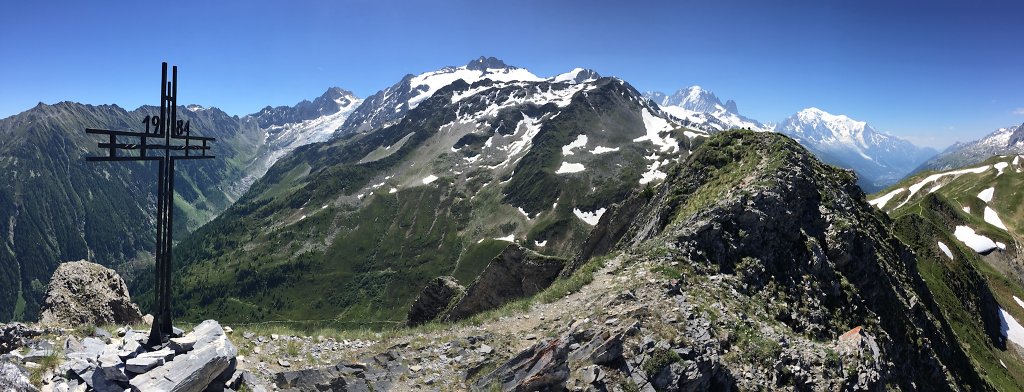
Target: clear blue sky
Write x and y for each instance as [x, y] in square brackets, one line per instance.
[931, 71]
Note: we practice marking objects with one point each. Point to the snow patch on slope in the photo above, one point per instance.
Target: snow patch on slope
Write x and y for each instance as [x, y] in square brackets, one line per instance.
[973, 240]
[1010, 328]
[993, 219]
[591, 218]
[580, 142]
[655, 126]
[986, 195]
[570, 168]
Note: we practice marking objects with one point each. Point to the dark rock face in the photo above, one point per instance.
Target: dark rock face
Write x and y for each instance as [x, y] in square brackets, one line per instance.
[515, 273]
[434, 300]
[485, 63]
[612, 226]
[81, 292]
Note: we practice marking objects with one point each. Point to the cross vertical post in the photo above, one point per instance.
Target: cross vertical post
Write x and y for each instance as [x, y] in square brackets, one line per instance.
[164, 128]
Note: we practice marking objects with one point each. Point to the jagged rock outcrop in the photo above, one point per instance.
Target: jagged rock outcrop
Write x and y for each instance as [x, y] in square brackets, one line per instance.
[81, 292]
[515, 273]
[434, 299]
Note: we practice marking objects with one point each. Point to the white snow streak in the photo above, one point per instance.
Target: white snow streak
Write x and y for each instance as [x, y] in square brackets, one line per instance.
[509, 238]
[945, 249]
[881, 201]
[429, 179]
[1018, 301]
[602, 149]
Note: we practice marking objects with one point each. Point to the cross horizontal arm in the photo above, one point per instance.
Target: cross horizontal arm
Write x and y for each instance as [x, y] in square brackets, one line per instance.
[96, 131]
[133, 146]
[120, 159]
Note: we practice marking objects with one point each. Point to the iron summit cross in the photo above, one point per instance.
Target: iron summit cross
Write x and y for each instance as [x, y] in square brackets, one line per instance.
[164, 128]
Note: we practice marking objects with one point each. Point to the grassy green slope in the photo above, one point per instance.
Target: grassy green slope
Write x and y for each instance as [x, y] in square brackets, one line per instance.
[969, 287]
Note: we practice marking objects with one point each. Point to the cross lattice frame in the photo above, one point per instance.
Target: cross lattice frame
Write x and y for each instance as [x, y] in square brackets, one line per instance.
[165, 129]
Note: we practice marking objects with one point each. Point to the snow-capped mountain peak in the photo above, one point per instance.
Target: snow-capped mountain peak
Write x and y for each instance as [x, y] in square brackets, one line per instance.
[879, 158]
[426, 84]
[1004, 141]
[700, 106]
[391, 104]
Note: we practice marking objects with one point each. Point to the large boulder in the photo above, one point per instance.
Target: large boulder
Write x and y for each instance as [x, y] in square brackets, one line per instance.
[81, 292]
[434, 299]
[515, 273]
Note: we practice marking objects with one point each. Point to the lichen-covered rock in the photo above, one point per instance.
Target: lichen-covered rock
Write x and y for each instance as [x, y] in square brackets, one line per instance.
[81, 292]
[515, 273]
[434, 299]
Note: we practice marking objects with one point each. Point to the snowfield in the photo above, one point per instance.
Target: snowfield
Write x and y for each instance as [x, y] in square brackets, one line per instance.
[590, 217]
[978, 242]
[1019, 302]
[429, 179]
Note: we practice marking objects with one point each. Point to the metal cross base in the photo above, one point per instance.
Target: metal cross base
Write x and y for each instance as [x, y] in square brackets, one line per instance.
[164, 128]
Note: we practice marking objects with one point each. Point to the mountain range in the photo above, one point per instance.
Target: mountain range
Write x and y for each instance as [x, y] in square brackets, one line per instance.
[729, 258]
[252, 144]
[878, 158]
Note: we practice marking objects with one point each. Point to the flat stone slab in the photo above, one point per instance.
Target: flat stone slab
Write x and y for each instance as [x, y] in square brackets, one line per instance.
[142, 365]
